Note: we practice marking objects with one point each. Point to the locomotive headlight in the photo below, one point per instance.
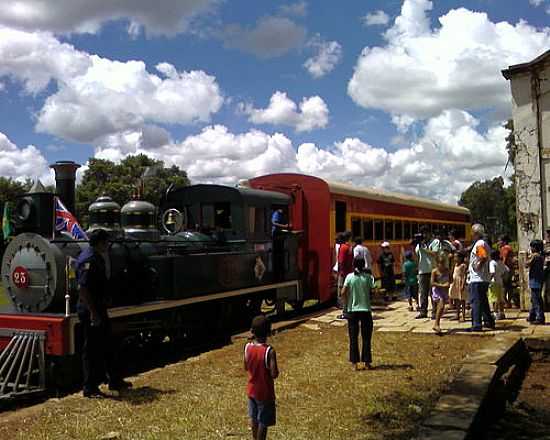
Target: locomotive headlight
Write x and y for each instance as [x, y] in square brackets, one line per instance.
[23, 210]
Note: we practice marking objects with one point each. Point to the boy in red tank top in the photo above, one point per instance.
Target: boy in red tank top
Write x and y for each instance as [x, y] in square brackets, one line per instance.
[260, 362]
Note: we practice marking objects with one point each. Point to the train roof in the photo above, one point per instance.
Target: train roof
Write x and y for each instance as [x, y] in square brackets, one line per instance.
[373, 193]
[248, 195]
[392, 197]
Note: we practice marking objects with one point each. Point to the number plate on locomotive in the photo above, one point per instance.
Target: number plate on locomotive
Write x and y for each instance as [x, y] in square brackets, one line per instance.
[20, 277]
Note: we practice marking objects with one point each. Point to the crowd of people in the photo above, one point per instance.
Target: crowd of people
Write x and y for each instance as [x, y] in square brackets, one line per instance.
[475, 279]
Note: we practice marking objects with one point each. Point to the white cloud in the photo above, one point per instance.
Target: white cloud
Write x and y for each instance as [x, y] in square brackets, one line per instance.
[298, 9]
[216, 154]
[447, 158]
[421, 71]
[22, 163]
[312, 112]
[329, 54]
[85, 16]
[376, 18]
[450, 153]
[536, 3]
[270, 38]
[97, 96]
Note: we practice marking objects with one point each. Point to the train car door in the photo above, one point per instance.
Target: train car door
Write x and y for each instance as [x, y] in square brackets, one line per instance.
[340, 210]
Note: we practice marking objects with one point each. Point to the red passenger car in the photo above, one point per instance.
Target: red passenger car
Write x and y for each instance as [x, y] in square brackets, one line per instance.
[321, 209]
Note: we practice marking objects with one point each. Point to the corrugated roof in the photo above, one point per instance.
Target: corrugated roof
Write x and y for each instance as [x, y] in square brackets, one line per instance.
[391, 197]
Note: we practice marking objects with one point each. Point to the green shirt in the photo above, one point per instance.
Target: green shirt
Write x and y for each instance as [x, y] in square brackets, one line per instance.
[410, 273]
[359, 287]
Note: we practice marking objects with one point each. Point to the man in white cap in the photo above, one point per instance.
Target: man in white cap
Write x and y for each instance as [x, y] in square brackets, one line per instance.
[480, 278]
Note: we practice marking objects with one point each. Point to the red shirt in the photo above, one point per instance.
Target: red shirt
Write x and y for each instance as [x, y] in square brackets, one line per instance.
[345, 259]
[260, 383]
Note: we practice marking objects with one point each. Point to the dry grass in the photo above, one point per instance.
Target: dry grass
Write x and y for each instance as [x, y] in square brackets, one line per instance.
[319, 397]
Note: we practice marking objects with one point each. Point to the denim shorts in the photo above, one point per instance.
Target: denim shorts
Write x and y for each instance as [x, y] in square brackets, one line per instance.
[262, 412]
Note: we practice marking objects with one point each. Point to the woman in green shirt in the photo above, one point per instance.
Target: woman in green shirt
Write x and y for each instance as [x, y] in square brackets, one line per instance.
[356, 299]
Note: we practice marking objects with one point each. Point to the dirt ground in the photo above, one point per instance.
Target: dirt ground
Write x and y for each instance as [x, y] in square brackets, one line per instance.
[319, 396]
[529, 416]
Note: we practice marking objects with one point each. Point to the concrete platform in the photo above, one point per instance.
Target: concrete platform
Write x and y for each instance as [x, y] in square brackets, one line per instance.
[395, 317]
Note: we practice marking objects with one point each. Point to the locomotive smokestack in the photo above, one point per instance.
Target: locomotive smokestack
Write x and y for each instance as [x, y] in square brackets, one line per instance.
[65, 177]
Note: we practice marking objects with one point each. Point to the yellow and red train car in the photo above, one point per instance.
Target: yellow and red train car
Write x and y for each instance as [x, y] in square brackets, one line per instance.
[321, 209]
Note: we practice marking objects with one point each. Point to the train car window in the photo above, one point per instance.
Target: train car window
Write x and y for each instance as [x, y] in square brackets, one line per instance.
[260, 221]
[407, 234]
[368, 230]
[461, 231]
[207, 216]
[388, 230]
[340, 211]
[222, 215]
[356, 228]
[252, 219]
[414, 228]
[398, 227]
[378, 230]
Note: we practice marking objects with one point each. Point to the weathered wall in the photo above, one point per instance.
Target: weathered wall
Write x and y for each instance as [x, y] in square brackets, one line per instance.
[531, 114]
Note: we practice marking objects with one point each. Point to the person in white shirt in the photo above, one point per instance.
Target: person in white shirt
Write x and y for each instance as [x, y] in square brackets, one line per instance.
[480, 278]
[360, 251]
[339, 241]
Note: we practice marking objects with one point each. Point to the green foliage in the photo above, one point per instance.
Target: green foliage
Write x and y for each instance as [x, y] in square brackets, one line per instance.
[121, 181]
[492, 204]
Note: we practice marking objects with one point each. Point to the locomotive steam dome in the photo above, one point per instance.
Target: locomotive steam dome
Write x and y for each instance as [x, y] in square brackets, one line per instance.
[104, 214]
[138, 220]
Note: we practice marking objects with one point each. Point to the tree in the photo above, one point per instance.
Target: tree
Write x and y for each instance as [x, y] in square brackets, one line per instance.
[9, 190]
[120, 181]
[492, 204]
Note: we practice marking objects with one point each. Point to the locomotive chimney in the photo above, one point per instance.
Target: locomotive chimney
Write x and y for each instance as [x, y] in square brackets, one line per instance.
[65, 177]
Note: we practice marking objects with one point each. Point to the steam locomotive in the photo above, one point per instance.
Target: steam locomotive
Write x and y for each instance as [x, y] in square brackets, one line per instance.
[200, 263]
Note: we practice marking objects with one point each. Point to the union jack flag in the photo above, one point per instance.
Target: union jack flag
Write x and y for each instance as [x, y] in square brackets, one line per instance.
[65, 221]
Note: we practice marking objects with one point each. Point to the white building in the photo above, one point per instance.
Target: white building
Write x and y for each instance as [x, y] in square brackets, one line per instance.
[530, 84]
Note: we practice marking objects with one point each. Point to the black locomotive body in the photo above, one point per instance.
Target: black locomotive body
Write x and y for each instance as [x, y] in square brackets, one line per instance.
[201, 263]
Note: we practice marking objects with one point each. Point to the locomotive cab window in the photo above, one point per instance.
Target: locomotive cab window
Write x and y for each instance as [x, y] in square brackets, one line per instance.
[217, 215]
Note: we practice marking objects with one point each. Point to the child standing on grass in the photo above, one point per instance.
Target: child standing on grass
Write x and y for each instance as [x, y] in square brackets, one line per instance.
[498, 271]
[441, 280]
[410, 279]
[535, 263]
[356, 294]
[458, 285]
[260, 362]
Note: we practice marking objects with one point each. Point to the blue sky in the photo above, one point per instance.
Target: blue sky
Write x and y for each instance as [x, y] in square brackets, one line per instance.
[348, 133]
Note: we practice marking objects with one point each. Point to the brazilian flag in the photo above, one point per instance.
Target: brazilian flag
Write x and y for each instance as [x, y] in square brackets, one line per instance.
[6, 221]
